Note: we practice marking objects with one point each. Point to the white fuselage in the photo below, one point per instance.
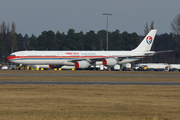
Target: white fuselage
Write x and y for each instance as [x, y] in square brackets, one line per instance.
[65, 57]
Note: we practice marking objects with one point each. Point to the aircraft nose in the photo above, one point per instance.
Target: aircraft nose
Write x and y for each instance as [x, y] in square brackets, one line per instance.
[8, 58]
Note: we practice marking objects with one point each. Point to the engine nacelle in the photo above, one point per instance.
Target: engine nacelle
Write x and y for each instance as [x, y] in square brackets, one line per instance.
[82, 64]
[109, 61]
[50, 66]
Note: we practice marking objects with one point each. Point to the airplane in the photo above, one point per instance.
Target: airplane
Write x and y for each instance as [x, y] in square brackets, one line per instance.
[84, 59]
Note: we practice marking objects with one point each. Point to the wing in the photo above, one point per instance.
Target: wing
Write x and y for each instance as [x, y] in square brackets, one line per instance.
[93, 60]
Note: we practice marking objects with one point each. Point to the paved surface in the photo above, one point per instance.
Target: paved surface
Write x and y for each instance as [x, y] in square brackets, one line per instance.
[89, 83]
[88, 75]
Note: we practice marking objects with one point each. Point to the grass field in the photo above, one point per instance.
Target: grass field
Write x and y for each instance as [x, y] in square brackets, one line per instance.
[87, 102]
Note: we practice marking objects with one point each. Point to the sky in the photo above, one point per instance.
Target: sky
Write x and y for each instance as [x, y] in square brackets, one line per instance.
[36, 16]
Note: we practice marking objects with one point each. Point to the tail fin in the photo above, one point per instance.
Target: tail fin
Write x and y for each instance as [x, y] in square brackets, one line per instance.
[147, 42]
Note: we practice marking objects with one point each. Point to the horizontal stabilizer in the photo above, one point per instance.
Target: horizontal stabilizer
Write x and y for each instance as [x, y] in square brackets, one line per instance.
[156, 52]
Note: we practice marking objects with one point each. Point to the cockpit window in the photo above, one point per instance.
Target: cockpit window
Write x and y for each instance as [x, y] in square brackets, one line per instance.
[12, 55]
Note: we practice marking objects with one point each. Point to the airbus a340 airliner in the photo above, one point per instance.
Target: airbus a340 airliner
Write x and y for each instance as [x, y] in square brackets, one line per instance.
[84, 59]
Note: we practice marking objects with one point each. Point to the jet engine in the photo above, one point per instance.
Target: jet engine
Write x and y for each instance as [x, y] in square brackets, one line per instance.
[109, 61]
[51, 66]
[82, 64]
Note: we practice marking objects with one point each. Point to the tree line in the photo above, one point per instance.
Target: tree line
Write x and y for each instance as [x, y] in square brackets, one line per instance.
[10, 42]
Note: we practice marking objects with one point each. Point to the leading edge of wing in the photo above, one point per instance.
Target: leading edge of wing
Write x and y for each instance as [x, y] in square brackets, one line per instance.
[92, 60]
[88, 59]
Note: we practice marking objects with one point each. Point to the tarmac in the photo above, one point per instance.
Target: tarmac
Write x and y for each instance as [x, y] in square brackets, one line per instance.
[89, 82]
